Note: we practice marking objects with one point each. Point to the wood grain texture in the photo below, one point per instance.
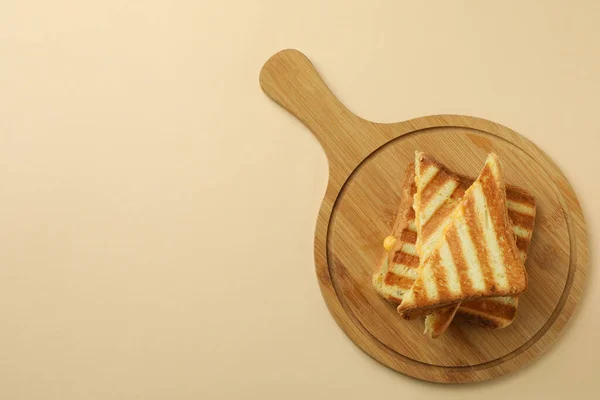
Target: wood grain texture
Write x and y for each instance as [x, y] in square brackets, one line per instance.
[366, 166]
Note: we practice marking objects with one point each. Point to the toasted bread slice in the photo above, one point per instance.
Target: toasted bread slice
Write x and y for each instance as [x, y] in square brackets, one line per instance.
[493, 313]
[440, 189]
[476, 255]
[439, 320]
[496, 312]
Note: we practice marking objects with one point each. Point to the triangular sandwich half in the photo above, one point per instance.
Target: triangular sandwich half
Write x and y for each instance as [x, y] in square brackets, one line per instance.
[499, 312]
[493, 312]
[440, 189]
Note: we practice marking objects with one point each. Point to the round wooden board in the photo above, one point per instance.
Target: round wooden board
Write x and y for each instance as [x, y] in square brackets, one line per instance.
[366, 164]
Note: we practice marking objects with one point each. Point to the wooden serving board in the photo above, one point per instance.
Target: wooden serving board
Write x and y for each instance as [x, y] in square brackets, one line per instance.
[366, 166]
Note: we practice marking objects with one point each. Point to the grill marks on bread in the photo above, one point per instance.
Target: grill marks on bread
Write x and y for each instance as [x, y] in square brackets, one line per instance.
[397, 271]
[456, 253]
[485, 248]
[393, 281]
[476, 229]
[492, 184]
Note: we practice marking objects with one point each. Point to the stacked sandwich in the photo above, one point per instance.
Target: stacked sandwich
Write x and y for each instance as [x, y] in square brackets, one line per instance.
[458, 246]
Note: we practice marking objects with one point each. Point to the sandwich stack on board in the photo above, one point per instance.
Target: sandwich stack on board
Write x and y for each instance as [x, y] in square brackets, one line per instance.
[458, 246]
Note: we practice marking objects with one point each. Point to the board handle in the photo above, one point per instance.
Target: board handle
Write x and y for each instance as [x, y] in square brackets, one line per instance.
[291, 80]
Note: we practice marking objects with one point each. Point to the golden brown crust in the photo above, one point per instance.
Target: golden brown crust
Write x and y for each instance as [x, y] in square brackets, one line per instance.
[398, 280]
[522, 243]
[408, 236]
[491, 313]
[405, 210]
[486, 320]
[497, 308]
[519, 195]
[401, 257]
[520, 219]
[436, 326]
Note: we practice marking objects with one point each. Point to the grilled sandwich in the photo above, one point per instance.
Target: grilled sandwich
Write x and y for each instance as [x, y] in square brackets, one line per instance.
[396, 271]
[476, 255]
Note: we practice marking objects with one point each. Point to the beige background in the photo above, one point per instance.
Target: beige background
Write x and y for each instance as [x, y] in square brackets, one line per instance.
[151, 194]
